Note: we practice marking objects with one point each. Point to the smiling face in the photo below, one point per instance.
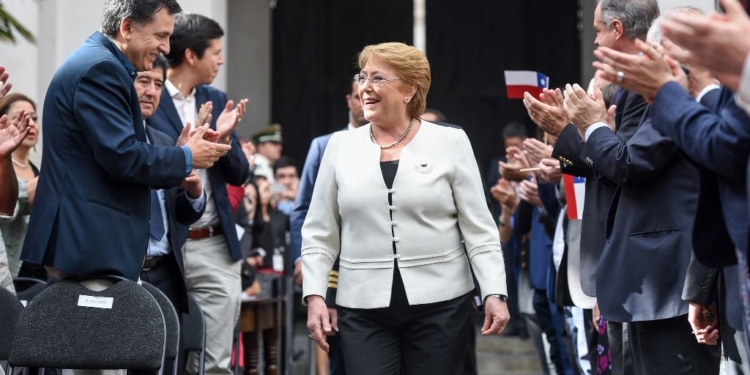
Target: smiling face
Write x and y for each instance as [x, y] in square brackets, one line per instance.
[143, 42]
[13, 112]
[207, 67]
[384, 104]
[148, 85]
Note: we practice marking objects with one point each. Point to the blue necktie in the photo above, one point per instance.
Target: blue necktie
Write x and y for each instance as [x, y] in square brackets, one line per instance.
[156, 220]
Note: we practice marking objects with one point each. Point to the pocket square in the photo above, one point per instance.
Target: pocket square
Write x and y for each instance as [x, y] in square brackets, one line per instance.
[423, 166]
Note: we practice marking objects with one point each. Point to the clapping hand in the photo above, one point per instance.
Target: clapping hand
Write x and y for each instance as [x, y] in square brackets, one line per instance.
[192, 185]
[548, 113]
[511, 170]
[229, 118]
[718, 42]
[583, 110]
[535, 150]
[205, 153]
[13, 133]
[5, 86]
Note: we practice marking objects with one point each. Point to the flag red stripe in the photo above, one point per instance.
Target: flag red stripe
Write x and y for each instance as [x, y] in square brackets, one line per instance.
[516, 91]
[570, 197]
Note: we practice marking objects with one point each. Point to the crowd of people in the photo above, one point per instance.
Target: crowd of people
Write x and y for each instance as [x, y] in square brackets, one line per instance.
[615, 238]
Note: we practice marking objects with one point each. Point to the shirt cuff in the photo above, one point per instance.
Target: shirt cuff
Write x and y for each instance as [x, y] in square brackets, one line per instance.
[593, 127]
[188, 159]
[197, 203]
[742, 97]
[297, 260]
[705, 91]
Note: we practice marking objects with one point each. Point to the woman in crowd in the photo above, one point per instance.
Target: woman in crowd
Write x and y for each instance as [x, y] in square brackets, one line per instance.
[389, 199]
[27, 174]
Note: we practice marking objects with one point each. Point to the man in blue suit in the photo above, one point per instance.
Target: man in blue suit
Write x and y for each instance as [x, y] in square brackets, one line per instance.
[91, 212]
[212, 251]
[299, 212]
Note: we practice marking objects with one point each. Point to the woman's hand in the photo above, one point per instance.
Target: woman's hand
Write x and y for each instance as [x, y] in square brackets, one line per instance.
[496, 316]
[318, 322]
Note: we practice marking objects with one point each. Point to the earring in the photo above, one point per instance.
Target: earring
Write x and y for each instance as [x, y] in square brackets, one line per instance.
[407, 99]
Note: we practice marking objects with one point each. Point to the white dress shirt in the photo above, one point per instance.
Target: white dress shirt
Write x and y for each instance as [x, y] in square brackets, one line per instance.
[187, 110]
[161, 247]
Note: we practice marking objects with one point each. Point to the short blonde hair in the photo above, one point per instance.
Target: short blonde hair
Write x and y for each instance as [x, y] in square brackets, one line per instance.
[412, 67]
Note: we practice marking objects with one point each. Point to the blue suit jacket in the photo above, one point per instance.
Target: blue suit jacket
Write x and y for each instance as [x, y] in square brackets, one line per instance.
[304, 193]
[90, 216]
[718, 140]
[231, 169]
[649, 225]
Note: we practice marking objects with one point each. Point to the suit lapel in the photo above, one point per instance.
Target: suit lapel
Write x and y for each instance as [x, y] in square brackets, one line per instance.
[167, 105]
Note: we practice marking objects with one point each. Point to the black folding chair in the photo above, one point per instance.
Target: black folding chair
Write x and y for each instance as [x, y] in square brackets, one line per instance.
[10, 311]
[172, 322]
[27, 288]
[71, 327]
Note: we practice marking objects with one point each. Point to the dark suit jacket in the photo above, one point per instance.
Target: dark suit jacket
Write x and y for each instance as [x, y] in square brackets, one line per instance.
[599, 191]
[717, 139]
[649, 225]
[91, 211]
[180, 215]
[231, 169]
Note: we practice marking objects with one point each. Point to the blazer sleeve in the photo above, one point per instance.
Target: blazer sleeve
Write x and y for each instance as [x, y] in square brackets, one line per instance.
[568, 150]
[234, 165]
[304, 196]
[700, 281]
[321, 232]
[186, 214]
[718, 141]
[643, 158]
[475, 221]
[102, 109]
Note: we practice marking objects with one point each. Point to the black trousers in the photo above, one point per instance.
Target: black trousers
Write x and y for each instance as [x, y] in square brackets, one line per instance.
[335, 356]
[420, 339]
[668, 346]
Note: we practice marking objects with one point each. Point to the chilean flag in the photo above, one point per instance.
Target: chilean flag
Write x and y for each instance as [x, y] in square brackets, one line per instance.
[575, 189]
[519, 81]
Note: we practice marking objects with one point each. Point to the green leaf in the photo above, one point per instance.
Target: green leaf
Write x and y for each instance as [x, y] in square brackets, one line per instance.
[9, 25]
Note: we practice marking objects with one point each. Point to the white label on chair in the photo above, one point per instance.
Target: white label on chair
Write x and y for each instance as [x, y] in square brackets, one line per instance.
[24, 302]
[95, 302]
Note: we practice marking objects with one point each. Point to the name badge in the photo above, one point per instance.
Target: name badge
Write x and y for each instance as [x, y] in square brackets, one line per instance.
[95, 302]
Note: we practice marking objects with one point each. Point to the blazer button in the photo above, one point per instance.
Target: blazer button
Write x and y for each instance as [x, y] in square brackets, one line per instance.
[394, 223]
[393, 208]
[392, 191]
[397, 256]
[395, 239]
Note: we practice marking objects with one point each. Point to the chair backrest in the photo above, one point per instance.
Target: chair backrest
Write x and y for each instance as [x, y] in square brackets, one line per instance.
[27, 288]
[10, 311]
[171, 320]
[70, 326]
[193, 334]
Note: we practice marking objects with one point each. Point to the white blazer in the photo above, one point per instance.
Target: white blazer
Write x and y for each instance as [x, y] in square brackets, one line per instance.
[438, 199]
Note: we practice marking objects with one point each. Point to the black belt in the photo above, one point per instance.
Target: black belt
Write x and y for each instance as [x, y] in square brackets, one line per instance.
[152, 262]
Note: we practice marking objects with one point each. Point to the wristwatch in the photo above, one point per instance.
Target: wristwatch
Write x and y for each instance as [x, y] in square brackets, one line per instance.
[501, 297]
[500, 221]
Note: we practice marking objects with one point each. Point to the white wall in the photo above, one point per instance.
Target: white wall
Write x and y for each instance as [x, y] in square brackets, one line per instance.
[706, 5]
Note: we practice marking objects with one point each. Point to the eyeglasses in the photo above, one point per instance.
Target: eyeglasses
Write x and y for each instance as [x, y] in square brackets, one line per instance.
[376, 80]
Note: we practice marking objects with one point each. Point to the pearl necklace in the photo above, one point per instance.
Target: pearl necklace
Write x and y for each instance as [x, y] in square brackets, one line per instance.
[18, 163]
[401, 138]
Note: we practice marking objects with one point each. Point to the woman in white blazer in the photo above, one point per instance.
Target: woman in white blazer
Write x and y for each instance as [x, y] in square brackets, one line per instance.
[394, 200]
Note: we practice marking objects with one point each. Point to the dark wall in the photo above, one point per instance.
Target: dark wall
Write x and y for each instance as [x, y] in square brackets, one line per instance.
[471, 43]
[315, 45]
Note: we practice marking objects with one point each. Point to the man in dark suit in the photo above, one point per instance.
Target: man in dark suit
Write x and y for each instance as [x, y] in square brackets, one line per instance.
[618, 29]
[212, 251]
[90, 216]
[173, 209]
[299, 212]
[644, 262]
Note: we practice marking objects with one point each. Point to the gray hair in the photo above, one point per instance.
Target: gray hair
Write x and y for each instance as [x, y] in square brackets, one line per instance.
[139, 11]
[636, 16]
[654, 33]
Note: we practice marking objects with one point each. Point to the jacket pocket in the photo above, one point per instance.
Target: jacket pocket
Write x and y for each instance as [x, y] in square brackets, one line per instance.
[97, 202]
[655, 255]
